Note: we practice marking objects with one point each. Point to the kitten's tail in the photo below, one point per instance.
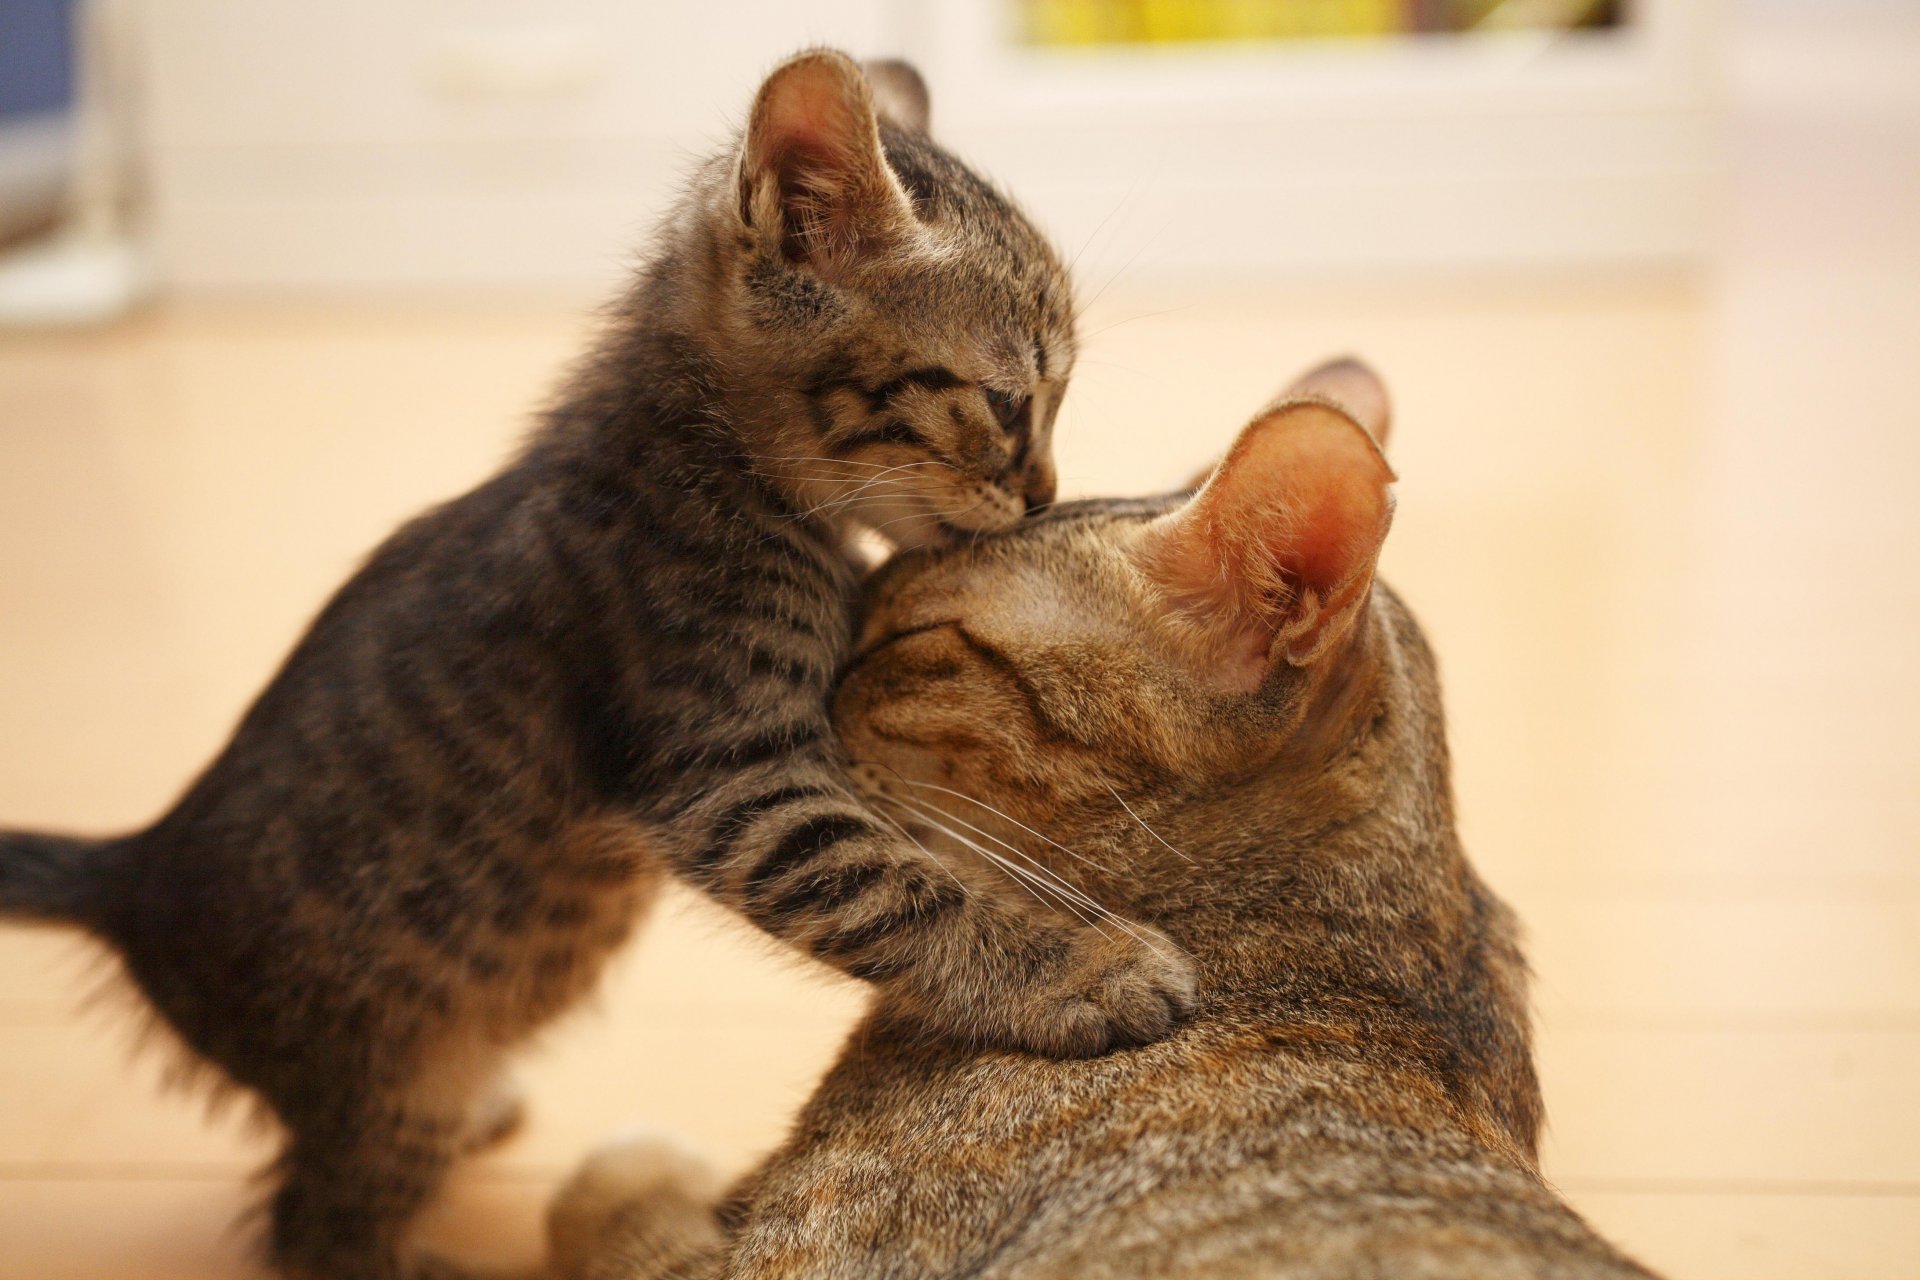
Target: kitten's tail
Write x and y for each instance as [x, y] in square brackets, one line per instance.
[47, 877]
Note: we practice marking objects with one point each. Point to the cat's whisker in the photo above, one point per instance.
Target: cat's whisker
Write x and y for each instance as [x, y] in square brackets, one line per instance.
[927, 812]
[1003, 843]
[1007, 817]
[1143, 824]
[939, 818]
[1022, 876]
[909, 837]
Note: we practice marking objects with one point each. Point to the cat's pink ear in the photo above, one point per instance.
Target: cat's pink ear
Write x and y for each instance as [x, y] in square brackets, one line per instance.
[813, 176]
[1272, 560]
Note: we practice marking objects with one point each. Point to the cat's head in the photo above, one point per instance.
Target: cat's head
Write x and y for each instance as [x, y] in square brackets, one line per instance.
[1168, 648]
[897, 336]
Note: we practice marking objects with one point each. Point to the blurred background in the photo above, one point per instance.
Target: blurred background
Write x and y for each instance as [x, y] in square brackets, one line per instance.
[1644, 277]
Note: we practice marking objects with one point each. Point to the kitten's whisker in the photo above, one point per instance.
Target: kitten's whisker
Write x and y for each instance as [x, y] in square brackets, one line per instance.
[842, 501]
[1143, 824]
[855, 462]
[1144, 315]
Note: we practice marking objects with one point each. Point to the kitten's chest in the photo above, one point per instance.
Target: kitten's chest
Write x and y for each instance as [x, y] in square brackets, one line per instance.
[708, 583]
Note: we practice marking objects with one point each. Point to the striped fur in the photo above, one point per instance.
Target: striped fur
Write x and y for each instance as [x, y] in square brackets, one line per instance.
[1355, 1096]
[610, 663]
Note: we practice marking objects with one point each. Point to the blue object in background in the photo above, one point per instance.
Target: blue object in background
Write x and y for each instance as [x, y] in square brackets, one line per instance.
[36, 57]
[38, 75]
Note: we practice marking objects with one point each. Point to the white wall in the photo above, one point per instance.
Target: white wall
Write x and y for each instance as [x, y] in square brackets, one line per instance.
[378, 144]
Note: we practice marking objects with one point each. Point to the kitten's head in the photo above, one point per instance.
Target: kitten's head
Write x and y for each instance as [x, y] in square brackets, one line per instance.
[1170, 647]
[895, 335]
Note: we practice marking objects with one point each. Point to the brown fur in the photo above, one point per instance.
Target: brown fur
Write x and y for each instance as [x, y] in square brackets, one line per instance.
[609, 663]
[1355, 1096]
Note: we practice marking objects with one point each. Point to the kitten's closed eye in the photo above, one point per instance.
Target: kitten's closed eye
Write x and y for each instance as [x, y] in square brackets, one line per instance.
[1014, 413]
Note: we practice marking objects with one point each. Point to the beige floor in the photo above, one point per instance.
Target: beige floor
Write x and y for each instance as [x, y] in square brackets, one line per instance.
[1662, 530]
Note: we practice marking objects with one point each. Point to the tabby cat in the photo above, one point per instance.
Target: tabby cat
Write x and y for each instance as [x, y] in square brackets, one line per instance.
[612, 661]
[1223, 727]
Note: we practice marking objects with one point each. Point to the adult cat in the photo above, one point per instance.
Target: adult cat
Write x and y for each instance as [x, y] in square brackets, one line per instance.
[612, 661]
[1234, 736]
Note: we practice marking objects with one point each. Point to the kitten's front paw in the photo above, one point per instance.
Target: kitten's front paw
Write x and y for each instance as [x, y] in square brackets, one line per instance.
[1115, 990]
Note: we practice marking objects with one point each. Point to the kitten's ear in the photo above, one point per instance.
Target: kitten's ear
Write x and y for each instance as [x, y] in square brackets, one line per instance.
[1348, 383]
[900, 93]
[1273, 559]
[813, 177]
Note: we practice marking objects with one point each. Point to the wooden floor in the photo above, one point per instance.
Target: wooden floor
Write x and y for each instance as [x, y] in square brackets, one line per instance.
[1663, 532]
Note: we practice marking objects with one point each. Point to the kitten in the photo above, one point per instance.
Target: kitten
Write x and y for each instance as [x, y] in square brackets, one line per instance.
[612, 661]
[1233, 736]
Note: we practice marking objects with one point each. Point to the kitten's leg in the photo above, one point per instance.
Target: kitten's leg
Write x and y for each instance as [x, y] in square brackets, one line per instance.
[640, 1210]
[496, 1115]
[789, 845]
[355, 1174]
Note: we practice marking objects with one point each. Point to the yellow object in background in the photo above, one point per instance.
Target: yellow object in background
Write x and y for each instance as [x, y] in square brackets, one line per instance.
[1104, 22]
[1084, 22]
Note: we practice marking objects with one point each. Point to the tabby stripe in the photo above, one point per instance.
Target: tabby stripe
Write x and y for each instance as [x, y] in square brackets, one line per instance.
[935, 378]
[697, 678]
[762, 662]
[923, 909]
[890, 431]
[729, 825]
[775, 575]
[417, 706]
[827, 892]
[1036, 705]
[795, 615]
[744, 754]
[770, 745]
[804, 842]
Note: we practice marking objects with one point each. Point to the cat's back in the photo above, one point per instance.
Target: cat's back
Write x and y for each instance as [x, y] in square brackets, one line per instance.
[1244, 1145]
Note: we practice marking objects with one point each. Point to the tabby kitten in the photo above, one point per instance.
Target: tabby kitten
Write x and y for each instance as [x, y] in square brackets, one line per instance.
[611, 662]
[1233, 736]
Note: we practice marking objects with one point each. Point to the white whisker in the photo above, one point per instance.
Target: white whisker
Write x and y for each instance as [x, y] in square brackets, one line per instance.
[1054, 882]
[1143, 824]
[961, 795]
[1021, 876]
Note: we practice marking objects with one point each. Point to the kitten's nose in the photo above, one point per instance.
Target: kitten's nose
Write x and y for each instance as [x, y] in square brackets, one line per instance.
[1039, 492]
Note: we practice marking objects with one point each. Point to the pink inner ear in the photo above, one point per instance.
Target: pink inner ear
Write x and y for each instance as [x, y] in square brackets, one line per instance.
[809, 117]
[1280, 545]
[1331, 511]
[813, 134]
